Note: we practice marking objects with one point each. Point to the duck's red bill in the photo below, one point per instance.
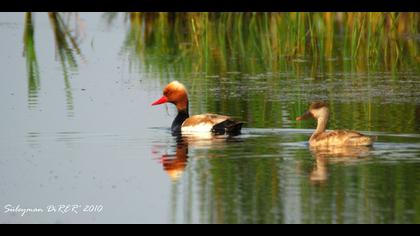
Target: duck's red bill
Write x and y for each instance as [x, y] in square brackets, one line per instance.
[160, 101]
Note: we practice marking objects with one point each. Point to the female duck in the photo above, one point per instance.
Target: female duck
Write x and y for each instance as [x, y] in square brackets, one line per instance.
[319, 111]
[176, 93]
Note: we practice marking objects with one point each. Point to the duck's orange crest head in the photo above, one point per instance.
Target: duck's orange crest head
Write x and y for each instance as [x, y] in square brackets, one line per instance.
[314, 110]
[175, 93]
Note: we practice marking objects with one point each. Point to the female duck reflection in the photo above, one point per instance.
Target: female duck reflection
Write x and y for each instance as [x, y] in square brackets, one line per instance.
[327, 155]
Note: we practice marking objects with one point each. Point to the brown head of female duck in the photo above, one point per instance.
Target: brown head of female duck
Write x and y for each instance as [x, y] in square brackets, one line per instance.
[320, 112]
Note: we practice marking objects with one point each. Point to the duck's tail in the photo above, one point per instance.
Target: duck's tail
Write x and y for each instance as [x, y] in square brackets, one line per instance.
[229, 127]
[234, 129]
[363, 140]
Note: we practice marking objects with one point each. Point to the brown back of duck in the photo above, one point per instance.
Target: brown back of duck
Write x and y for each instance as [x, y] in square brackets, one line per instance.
[341, 137]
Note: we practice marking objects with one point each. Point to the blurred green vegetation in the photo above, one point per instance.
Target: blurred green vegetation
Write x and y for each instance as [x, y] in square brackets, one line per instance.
[270, 41]
[31, 60]
[67, 47]
[265, 68]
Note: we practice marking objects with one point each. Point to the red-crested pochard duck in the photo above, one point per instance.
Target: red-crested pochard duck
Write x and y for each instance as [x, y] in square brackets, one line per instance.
[176, 93]
[320, 112]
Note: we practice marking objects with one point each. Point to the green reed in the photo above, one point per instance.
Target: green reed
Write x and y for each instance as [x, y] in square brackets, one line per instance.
[210, 47]
[66, 45]
[67, 48]
[31, 59]
[386, 39]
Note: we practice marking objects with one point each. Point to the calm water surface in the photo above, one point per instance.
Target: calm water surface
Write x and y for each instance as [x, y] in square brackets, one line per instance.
[77, 128]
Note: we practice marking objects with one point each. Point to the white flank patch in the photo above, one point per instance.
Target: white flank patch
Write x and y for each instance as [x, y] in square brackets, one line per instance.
[198, 138]
[202, 128]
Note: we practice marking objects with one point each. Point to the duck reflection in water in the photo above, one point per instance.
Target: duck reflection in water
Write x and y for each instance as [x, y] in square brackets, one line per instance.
[334, 154]
[174, 164]
[175, 161]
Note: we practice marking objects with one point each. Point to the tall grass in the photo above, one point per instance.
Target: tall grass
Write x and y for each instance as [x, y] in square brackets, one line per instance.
[67, 47]
[205, 50]
[386, 39]
[31, 60]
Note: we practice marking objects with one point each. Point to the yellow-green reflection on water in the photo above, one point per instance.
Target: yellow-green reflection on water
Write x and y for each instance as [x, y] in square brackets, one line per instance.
[106, 145]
